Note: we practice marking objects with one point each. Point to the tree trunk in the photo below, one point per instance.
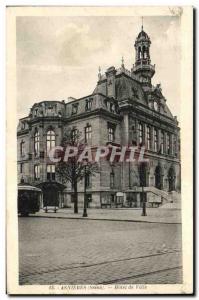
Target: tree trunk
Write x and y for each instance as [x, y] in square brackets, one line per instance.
[75, 198]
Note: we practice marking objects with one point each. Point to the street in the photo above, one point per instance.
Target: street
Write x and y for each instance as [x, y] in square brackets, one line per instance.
[66, 251]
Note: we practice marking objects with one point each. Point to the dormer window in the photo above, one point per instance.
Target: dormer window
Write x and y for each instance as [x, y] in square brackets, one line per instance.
[50, 110]
[112, 107]
[36, 110]
[75, 108]
[156, 106]
[88, 105]
[135, 92]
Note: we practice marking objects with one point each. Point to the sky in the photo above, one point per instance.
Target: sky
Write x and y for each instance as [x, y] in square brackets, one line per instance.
[59, 57]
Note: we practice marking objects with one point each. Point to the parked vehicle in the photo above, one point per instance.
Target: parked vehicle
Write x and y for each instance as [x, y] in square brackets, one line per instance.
[29, 199]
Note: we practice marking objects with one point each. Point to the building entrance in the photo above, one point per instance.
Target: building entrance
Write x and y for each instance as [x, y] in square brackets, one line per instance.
[158, 177]
[171, 178]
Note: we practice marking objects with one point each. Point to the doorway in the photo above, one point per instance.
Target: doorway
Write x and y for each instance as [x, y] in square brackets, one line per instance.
[171, 179]
[50, 197]
[158, 177]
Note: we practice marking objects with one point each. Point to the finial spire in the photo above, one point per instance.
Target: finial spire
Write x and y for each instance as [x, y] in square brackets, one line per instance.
[99, 73]
[122, 65]
[142, 24]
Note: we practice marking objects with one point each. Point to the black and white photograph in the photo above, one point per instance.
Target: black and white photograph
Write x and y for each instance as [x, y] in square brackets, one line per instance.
[99, 182]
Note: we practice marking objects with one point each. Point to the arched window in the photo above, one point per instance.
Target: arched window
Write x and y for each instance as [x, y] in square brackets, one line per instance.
[36, 143]
[158, 177]
[112, 179]
[143, 52]
[139, 53]
[50, 140]
[172, 179]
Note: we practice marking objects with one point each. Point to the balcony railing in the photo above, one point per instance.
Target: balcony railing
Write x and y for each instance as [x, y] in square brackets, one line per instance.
[143, 67]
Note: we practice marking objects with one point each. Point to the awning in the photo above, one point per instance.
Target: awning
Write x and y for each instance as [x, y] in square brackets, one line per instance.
[28, 187]
[51, 184]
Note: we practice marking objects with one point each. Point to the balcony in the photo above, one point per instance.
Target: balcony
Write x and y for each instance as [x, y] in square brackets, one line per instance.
[141, 66]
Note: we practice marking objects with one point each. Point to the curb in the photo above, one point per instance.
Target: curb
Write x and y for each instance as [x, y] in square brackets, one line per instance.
[100, 219]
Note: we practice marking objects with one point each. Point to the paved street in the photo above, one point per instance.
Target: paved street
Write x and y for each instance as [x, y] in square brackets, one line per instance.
[154, 215]
[66, 251]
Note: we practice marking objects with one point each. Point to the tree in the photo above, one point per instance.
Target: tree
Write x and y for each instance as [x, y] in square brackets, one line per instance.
[72, 170]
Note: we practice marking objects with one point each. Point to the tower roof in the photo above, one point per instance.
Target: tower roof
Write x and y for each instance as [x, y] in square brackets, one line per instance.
[143, 34]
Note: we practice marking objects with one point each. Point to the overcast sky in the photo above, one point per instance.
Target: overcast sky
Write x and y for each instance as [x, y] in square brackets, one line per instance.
[58, 57]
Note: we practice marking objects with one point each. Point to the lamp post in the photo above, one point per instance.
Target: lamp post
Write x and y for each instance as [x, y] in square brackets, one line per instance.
[143, 202]
[142, 181]
[85, 200]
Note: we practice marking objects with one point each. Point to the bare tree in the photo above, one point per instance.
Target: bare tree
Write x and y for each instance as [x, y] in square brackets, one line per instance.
[73, 170]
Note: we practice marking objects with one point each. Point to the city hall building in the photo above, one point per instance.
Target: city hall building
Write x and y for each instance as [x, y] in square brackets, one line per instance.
[125, 108]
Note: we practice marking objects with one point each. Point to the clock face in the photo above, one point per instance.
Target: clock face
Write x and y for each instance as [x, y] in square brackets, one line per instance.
[155, 106]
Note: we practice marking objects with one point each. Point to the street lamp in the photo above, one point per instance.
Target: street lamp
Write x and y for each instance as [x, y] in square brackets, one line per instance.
[85, 199]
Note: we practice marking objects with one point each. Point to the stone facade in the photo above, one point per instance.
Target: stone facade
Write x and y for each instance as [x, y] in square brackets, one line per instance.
[124, 109]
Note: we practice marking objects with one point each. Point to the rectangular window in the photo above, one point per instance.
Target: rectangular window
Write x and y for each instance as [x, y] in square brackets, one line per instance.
[141, 133]
[50, 140]
[37, 172]
[111, 132]
[175, 146]
[74, 135]
[36, 143]
[22, 148]
[155, 140]
[162, 142]
[168, 143]
[50, 172]
[148, 133]
[88, 133]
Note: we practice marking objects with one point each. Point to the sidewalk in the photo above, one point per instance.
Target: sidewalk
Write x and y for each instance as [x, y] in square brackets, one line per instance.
[154, 215]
